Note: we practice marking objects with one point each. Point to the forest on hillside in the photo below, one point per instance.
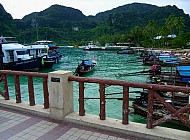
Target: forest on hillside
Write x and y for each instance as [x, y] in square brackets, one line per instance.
[144, 24]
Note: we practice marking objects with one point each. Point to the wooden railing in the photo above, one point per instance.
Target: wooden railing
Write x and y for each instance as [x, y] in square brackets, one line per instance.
[103, 83]
[30, 76]
[152, 94]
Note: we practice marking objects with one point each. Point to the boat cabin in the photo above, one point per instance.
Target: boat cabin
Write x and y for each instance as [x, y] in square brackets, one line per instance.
[38, 50]
[13, 52]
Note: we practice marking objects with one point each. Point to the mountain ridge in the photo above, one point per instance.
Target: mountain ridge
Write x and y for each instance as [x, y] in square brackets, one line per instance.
[67, 25]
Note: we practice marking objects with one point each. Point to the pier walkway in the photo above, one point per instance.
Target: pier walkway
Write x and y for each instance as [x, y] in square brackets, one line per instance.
[57, 120]
[16, 125]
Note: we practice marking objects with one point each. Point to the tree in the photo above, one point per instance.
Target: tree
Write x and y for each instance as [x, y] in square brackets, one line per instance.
[136, 32]
[171, 22]
[151, 31]
[180, 24]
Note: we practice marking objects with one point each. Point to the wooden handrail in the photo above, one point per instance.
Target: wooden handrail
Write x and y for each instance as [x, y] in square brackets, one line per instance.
[30, 76]
[131, 84]
[152, 94]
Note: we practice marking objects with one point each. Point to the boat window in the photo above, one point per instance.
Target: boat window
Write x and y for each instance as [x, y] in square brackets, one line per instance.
[22, 52]
[44, 50]
[36, 52]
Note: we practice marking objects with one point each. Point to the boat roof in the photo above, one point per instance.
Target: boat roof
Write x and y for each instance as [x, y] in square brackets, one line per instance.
[13, 46]
[87, 62]
[3, 39]
[37, 46]
[44, 41]
[184, 70]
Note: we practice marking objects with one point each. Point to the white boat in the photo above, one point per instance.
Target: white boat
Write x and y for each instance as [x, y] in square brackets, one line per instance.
[116, 46]
[91, 46]
[16, 57]
[41, 51]
[52, 52]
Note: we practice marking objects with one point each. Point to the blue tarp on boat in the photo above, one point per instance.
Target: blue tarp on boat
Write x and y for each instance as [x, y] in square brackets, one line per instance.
[168, 59]
[184, 72]
[173, 62]
[88, 62]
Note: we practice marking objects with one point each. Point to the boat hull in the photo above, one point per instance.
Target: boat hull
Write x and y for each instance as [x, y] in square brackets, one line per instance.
[55, 56]
[47, 63]
[126, 52]
[81, 73]
[24, 65]
[85, 67]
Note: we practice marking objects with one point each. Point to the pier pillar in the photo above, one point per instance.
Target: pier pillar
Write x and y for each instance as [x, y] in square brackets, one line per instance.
[61, 94]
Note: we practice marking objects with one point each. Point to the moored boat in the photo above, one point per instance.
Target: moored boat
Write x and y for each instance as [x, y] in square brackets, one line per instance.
[16, 57]
[92, 47]
[127, 51]
[163, 59]
[176, 100]
[52, 51]
[179, 75]
[41, 51]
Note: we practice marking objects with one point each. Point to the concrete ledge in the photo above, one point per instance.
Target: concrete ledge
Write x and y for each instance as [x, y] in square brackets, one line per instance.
[132, 129]
[110, 124]
[25, 107]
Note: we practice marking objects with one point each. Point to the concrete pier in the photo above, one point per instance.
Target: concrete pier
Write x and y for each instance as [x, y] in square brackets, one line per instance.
[61, 94]
[63, 123]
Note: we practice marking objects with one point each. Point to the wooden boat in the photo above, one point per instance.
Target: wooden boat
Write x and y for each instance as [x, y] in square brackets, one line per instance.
[85, 67]
[16, 57]
[179, 75]
[162, 59]
[177, 100]
[127, 51]
[184, 62]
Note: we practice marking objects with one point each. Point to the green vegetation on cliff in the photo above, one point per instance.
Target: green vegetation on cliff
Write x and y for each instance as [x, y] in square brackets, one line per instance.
[69, 26]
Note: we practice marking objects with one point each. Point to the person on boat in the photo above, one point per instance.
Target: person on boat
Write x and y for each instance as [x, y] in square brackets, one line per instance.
[155, 69]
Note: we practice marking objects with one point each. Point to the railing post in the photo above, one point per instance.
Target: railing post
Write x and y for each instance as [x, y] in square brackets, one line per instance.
[6, 92]
[81, 99]
[46, 93]
[17, 88]
[125, 114]
[150, 109]
[31, 91]
[102, 102]
[61, 94]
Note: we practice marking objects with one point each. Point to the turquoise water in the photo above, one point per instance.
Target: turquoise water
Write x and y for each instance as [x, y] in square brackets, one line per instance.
[109, 64]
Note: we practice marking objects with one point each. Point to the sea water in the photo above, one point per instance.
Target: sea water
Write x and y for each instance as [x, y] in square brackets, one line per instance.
[110, 65]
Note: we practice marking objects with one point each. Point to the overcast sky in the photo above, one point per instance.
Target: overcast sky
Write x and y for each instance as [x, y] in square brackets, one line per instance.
[19, 8]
